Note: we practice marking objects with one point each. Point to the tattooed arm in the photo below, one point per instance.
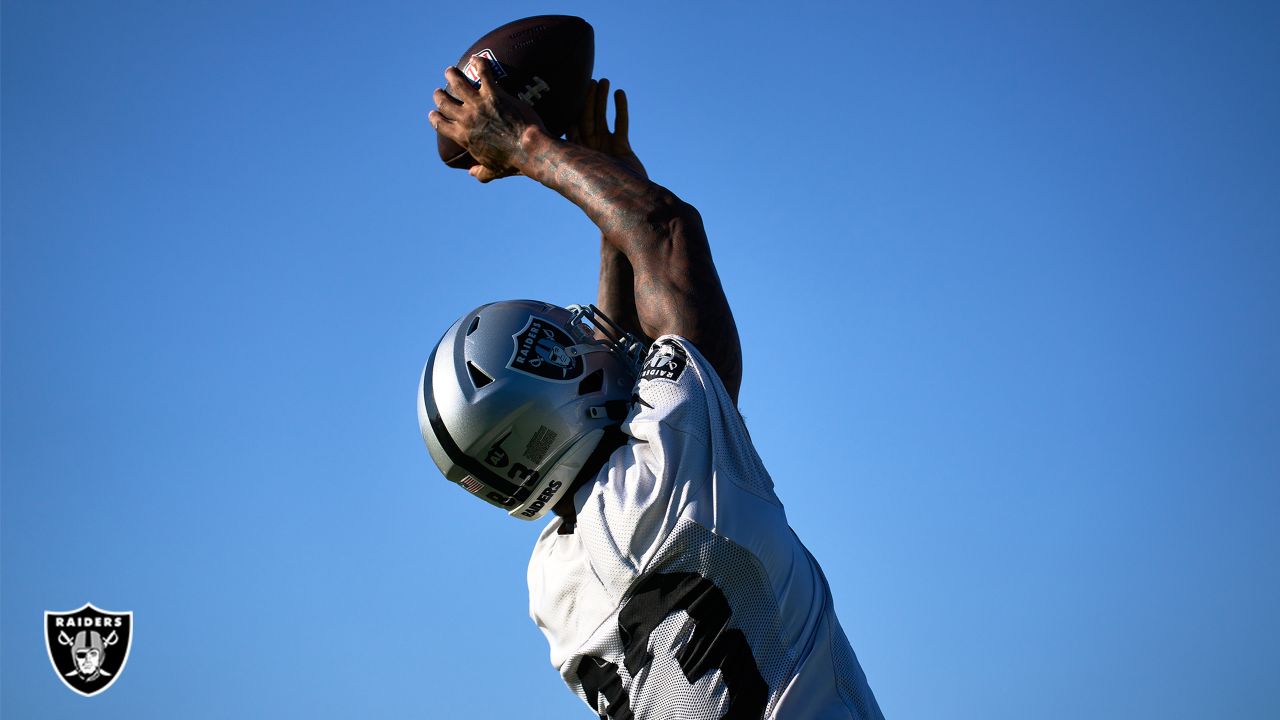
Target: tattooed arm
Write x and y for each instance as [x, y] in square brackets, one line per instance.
[676, 288]
[616, 296]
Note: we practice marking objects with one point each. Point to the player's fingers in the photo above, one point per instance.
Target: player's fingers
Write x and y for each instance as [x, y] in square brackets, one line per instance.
[587, 125]
[621, 121]
[484, 71]
[459, 86]
[602, 106]
[446, 127]
[486, 174]
[445, 105]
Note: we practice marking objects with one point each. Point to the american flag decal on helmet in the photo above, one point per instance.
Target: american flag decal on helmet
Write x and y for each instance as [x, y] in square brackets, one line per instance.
[473, 486]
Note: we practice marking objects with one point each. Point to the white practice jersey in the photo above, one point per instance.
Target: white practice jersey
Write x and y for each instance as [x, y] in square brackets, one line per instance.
[680, 592]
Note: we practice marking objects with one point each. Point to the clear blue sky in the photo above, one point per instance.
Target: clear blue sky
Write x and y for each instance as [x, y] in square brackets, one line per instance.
[1007, 277]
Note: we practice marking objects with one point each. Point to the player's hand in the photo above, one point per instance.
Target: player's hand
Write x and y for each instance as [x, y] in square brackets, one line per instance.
[488, 121]
[484, 174]
[592, 128]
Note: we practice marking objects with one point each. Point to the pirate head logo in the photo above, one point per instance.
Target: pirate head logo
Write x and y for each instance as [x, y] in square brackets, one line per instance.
[667, 361]
[541, 350]
[88, 647]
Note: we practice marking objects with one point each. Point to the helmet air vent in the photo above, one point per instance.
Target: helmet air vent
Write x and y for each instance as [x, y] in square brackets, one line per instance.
[478, 378]
[475, 323]
[591, 383]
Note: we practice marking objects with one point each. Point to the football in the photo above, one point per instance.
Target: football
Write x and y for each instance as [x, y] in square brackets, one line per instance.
[545, 61]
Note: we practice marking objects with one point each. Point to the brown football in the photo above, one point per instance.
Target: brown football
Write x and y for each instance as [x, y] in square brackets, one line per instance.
[545, 61]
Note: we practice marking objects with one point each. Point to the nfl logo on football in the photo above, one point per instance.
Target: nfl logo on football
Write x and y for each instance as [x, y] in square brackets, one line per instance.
[88, 647]
[473, 73]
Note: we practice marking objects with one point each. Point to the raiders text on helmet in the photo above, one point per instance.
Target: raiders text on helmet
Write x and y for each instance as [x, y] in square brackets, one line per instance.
[517, 394]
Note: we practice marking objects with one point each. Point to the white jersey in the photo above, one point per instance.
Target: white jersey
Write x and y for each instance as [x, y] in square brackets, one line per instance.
[680, 592]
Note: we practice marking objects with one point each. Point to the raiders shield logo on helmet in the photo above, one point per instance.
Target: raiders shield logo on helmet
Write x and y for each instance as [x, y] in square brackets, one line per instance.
[541, 351]
[88, 647]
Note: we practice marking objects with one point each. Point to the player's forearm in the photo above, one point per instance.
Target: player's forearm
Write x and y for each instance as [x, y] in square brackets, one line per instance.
[633, 213]
[675, 288]
[616, 296]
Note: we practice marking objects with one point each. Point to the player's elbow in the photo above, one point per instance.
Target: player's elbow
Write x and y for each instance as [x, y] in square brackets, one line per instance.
[672, 237]
[663, 208]
[687, 221]
[675, 221]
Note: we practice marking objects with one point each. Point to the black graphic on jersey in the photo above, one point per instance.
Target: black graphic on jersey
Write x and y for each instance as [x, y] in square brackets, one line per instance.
[599, 677]
[713, 645]
[667, 361]
[88, 647]
[540, 350]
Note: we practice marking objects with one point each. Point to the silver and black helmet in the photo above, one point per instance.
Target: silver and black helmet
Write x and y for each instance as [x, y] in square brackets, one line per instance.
[517, 394]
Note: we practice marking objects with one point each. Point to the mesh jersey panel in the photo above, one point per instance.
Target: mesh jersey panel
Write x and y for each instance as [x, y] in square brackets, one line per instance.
[682, 592]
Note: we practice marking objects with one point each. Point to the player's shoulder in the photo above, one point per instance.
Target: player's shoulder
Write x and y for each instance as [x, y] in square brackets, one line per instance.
[675, 360]
[677, 389]
[668, 359]
[672, 380]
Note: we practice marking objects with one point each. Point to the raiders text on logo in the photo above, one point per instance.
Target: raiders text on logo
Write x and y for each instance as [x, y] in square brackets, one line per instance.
[540, 351]
[88, 647]
[667, 361]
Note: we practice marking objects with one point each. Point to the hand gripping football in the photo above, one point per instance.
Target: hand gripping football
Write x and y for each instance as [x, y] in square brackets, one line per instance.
[545, 61]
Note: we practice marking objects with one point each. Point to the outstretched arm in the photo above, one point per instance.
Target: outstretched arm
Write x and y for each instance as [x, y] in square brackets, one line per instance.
[616, 296]
[677, 290]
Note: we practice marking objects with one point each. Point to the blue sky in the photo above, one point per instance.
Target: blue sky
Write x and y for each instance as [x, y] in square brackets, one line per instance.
[1007, 278]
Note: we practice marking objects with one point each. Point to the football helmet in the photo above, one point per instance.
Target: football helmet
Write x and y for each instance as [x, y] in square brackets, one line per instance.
[88, 650]
[517, 394]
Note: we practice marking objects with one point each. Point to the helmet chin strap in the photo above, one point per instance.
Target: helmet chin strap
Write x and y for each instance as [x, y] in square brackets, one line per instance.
[612, 409]
[612, 439]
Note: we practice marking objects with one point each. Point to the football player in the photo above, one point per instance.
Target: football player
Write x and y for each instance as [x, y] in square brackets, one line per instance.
[668, 583]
